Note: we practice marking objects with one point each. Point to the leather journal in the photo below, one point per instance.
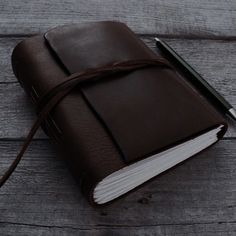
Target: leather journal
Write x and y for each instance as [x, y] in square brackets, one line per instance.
[119, 113]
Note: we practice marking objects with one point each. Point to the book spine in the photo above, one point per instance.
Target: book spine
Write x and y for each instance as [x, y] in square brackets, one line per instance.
[80, 137]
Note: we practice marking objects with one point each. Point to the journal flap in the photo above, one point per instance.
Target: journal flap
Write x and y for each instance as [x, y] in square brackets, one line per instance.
[144, 111]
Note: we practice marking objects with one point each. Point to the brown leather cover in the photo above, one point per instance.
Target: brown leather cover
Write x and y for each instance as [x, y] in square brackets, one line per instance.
[105, 125]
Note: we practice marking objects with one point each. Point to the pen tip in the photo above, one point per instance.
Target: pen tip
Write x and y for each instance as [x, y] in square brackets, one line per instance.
[157, 39]
[232, 112]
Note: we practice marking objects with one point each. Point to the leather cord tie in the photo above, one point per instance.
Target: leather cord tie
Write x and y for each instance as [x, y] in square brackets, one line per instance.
[50, 100]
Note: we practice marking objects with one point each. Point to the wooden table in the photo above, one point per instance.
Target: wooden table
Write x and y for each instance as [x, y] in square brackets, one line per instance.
[195, 198]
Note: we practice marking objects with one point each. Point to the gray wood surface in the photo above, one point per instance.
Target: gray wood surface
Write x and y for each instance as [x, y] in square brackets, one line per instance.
[197, 197]
[190, 18]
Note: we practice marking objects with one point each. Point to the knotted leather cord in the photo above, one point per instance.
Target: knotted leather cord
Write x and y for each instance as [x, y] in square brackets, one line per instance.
[54, 96]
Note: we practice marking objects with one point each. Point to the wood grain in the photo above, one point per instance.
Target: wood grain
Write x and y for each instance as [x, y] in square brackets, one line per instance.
[197, 197]
[212, 229]
[214, 59]
[202, 18]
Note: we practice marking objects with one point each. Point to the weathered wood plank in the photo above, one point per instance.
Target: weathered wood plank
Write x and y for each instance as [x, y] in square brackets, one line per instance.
[195, 196]
[17, 113]
[203, 18]
[213, 59]
[212, 229]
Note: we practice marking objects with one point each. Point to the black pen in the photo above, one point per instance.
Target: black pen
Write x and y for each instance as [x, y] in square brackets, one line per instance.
[196, 79]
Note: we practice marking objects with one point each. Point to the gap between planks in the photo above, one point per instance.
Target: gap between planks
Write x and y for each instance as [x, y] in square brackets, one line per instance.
[166, 36]
[106, 226]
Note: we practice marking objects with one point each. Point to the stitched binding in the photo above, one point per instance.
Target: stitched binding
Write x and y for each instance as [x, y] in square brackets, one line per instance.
[54, 96]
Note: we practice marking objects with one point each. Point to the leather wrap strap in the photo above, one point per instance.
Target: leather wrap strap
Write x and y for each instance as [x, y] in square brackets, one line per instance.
[54, 96]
